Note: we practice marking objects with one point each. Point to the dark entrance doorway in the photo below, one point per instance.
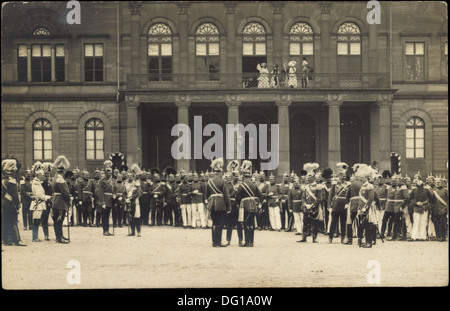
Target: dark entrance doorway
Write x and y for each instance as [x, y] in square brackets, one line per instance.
[302, 140]
[351, 139]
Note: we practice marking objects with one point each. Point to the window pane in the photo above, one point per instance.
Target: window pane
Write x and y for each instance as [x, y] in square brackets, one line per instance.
[38, 155]
[98, 63]
[98, 50]
[166, 49]
[37, 135]
[36, 51]
[90, 154]
[418, 121]
[294, 48]
[308, 49]
[420, 48]
[98, 75]
[47, 154]
[410, 153]
[89, 50]
[99, 144]
[153, 50]
[214, 49]
[100, 134]
[200, 49]
[46, 52]
[260, 49]
[89, 144]
[247, 48]
[419, 153]
[409, 143]
[419, 143]
[100, 154]
[419, 133]
[89, 63]
[355, 48]
[60, 51]
[409, 49]
[89, 134]
[409, 133]
[47, 144]
[23, 51]
[342, 48]
[38, 145]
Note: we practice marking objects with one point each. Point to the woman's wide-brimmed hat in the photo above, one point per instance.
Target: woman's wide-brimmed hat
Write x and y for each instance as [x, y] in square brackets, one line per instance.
[292, 63]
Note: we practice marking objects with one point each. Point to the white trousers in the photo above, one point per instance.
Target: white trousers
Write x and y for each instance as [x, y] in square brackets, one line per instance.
[274, 217]
[380, 215]
[198, 213]
[186, 214]
[419, 229]
[298, 221]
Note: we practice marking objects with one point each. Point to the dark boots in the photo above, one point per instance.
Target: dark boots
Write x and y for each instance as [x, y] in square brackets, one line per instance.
[35, 229]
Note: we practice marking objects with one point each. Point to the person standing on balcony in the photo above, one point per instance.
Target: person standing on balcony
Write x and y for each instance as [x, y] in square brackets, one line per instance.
[305, 73]
[292, 82]
[284, 75]
[263, 79]
[275, 81]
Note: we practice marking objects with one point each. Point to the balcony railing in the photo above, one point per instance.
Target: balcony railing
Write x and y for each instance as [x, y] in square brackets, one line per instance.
[256, 80]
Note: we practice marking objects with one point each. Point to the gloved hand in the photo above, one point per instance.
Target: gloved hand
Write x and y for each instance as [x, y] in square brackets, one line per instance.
[80, 202]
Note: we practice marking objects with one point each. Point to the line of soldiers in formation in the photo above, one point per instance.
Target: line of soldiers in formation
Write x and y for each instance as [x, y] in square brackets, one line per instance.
[336, 203]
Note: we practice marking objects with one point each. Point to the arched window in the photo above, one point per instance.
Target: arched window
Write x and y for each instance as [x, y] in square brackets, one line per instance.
[207, 52]
[301, 43]
[253, 47]
[160, 52]
[349, 48]
[41, 31]
[42, 140]
[415, 138]
[95, 133]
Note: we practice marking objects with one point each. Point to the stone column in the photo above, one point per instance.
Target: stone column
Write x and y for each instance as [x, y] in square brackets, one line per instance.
[53, 65]
[325, 30]
[233, 118]
[278, 9]
[385, 134]
[284, 148]
[334, 132]
[233, 79]
[183, 19]
[29, 63]
[133, 148]
[183, 118]
[135, 9]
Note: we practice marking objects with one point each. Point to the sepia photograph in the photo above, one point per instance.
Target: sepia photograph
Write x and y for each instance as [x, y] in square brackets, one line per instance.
[209, 145]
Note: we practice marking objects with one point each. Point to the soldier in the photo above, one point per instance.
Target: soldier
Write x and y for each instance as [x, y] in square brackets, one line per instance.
[157, 193]
[177, 221]
[185, 201]
[389, 211]
[10, 204]
[365, 208]
[273, 192]
[38, 198]
[144, 200]
[171, 197]
[218, 202]
[284, 204]
[420, 199]
[61, 198]
[337, 198]
[263, 217]
[353, 203]
[430, 185]
[400, 201]
[295, 204]
[248, 198]
[133, 192]
[231, 180]
[46, 184]
[105, 193]
[440, 209]
[97, 206]
[25, 197]
[85, 194]
[198, 197]
[381, 190]
[119, 201]
[77, 178]
[326, 176]
[310, 200]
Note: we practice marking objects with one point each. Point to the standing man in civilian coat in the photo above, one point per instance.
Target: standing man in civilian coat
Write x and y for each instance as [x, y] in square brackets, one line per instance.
[218, 202]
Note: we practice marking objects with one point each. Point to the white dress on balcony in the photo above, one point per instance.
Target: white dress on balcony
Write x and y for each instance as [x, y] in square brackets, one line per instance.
[292, 82]
[263, 79]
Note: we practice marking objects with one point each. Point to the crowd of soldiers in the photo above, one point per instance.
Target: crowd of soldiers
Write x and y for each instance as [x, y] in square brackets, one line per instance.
[345, 202]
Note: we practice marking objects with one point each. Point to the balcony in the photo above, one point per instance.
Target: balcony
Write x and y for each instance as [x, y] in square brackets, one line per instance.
[222, 81]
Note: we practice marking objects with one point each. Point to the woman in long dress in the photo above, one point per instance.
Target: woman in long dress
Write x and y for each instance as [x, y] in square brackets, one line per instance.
[263, 79]
[292, 82]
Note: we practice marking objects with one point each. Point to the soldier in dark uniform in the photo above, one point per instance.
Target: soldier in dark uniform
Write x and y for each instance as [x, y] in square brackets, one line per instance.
[144, 200]
[366, 210]
[85, 194]
[231, 179]
[248, 198]
[337, 198]
[439, 209]
[353, 203]
[218, 202]
[118, 201]
[46, 184]
[421, 199]
[295, 205]
[105, 193]
[184, 200]
[198, 197]
[10, 204]
[284, 205]
[263, 217]
[170, 213]
[132, 193]
[157, 193]
[400, 200]
[61, 198]
[273, 192]
[25, 197]
[97, 207]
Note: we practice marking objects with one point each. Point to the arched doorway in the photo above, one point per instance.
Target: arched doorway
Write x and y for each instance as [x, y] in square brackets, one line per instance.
[302, 140]
[157, 142]
[351, 139]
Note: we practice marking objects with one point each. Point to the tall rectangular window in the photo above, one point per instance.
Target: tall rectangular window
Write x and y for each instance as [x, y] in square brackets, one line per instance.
[41, 63]
[415, 138]
[95, 131]
[59, 63]
[93, 62]
[22, 63]
[415, 61]
[42, 140]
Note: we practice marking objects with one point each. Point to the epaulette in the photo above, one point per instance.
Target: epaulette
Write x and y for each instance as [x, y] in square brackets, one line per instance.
[403, 187]
[60, 180]
[370, 187]
[22, 182]
[12, 180]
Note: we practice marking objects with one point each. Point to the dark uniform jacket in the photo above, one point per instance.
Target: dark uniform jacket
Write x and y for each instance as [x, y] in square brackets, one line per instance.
[421, 194]
[353, 195]
[401, 198]
[200, 196]
[120, 193]
[232, 189]
[284, 189]
[146, 196]
[381, 193]
[25, 192]
[439, 207]
[183, 193]
[248, 196]
[295, 200]
[273, 193]
[85, 190]
[10, 196]
[366, 197]
[157, 192]
[218, 195]
[171, 194]
[105, 191]
[61, 194]
[311, 198]
[337, 196]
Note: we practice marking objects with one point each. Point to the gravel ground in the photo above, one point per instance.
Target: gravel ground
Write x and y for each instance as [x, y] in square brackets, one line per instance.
[168, 257]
